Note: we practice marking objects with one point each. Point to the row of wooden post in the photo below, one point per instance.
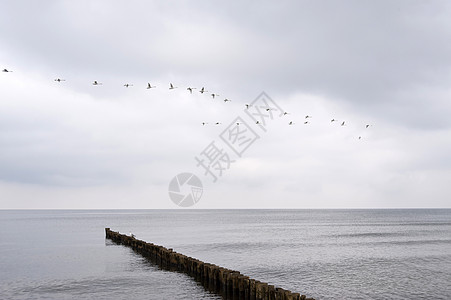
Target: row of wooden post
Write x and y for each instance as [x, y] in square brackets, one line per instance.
[228, 283]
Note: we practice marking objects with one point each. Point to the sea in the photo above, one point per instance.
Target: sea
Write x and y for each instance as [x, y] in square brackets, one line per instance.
[323, 254]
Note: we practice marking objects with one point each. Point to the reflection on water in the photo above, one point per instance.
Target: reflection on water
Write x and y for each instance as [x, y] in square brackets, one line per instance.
[325, 254]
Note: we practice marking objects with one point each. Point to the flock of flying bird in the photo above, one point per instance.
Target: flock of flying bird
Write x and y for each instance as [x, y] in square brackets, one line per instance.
[213, 95]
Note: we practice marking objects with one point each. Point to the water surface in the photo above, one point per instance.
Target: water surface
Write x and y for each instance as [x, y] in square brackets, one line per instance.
[325, 254]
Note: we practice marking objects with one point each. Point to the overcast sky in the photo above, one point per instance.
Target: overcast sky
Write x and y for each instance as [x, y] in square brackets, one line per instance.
[71, 144]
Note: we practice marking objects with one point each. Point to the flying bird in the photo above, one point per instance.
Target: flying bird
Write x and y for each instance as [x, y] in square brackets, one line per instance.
[204, 123]
[248, 105]
[306, 122]
[285, 113]
[343, 124]
[202, 90]
[333, 120]
[291, 123]
[96, 83]
[214, 95]
[127, 85]
[367, 125]
[227, 100]
[171, 87]
[59, 80]
[258, 122]
[149, 86]
[190, 89]
[6, 70]
[217, 123]
[307, 116]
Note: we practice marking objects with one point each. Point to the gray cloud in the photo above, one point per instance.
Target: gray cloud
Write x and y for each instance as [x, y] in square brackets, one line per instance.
[380, 62]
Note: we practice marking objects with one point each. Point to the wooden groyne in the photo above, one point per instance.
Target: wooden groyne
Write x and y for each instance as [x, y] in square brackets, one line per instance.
[228, 283]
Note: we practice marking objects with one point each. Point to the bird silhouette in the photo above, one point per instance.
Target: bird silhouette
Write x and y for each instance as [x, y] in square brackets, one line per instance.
[214, 95]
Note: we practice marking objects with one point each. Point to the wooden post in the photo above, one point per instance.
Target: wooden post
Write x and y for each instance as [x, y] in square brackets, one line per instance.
[231, 284]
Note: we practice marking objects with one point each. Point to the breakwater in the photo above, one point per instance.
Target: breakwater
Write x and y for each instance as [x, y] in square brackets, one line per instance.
[228, 283]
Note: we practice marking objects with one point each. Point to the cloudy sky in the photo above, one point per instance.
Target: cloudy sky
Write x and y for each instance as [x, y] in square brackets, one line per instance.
[71, 144]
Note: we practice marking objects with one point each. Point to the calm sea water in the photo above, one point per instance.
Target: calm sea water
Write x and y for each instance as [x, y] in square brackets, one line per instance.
[325, 254]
